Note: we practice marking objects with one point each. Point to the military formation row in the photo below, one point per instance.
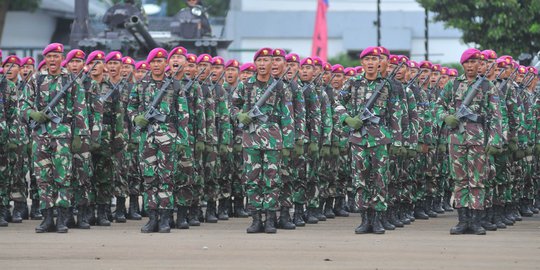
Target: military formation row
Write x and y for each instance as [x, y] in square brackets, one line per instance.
[393, 139]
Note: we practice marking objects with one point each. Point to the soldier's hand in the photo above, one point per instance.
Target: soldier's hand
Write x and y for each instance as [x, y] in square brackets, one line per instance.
[10, 147]
[141, 121]
[286, 152]
[335, 151]
[537, 149]
[441, 148]
[244, 118]
[237, 147]
[76, 144]
[200, 146]
[411, 153]
[179, 148]
[519, 154]
[394, 150]
[313, 148]
[94, 147]
[529, 151]
[354, 122]
[209, 148]
[451, 121]
[325, 151]
[512, 144]
[299, 149]
[132, 147]
[492, 150]
[344, 150]
[223, 149]
[39, 117]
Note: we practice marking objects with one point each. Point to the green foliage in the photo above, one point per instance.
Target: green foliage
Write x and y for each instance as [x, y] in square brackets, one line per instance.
[506, 26]
[22, 5]
[345, 60]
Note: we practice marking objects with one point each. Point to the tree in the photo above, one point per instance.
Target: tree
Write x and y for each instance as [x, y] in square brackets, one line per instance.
[217, 8]
[5, 5]
[506, 26]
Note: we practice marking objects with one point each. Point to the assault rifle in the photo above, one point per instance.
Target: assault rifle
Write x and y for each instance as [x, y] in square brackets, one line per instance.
[117, 87]
[510, 78]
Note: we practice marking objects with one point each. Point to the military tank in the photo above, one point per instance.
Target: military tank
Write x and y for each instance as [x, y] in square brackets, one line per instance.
[126, 30]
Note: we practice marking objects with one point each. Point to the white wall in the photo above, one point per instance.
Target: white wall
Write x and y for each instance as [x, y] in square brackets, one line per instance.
[440, 50]
[300, 46]
[25, 29]
[334, 5]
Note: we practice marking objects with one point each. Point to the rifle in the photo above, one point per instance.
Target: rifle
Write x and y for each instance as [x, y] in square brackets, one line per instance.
[118, 87]
[255, 111]
[464, 111]
[214, 85]
[412, 80]
[153, 113]
[4, 77]
[521, 86]
[505, 82]
[366, 114]
[193, 119]
[48, 110]
[309, 85]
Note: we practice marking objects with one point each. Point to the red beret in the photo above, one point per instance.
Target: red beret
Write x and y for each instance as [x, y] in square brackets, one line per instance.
[307, 61]
[95, 55]
[232, 63]
[404, 57]
[12, 59]
[350, 71]
[262, 52]
[453, 72]
[76, 53]
[191, 58]
[533, 70]
[128, 60]
[156, 53]
[412, 64]
[177, 50]
[522, 70]
[384, 51]
[64, 63]
[376, 51]
[436, 67]
[359, 69]
[279, 53]
[218, 61]
[489, 54]
[293, 57]
[317, 61]
[425, 64]
[204, 58]
[503, 62]
[471, 53]
[444, 71]
[41, 64]
[515, 64]
[393, 59]
[113, 56]
[337, 68]
[28, 61]
[248, 67]
[142, 65]
[53, 47]
[327, 67]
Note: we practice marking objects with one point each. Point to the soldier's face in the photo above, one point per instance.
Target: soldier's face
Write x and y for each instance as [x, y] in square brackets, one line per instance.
[507, 72]
[98, 68]
[384, 63]
[482, 67]
[217, 69]
[443, 81]
[245, 75]
[126, 70]
[414, 71]
[264, 65]
[326, 77]
[435, 75]
[157, 66]
[318, 70]
[337, 81]
[307, 72]
[207, 69]
[471, 68]
[424, 73]
[371, 64]
[278, 66]
[490, 62]
[231, 75]
[27, 70]
[534, 82]
[139, 74]
[53, 61]
[12, 74]
[176, 61]
[190, 70]
[293, 69]
[75, 65]
[114, 68]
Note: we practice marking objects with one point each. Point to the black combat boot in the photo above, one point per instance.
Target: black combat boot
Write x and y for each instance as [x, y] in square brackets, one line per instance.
[506, 215]
[532, 206]
[239, 209]
[408, 210]
[285, 219]
[3, 212]
[210, 216]
[328, 208]
[223, 213]
[26, 212]
[298, 217]
[69, 218]
[82, 218]
[91, 214]
[419, 210]
[193, 216]
[102, 219]
[61, 220]
[310, 217]
[182, 218]
[133, 212]
[365, 226]
[18, 209]
[47, 225]
[515, 211]
[523, 208]
[497, 217]
[120, 213]
[351, 203]
[35, 214]
[165, 221]
[270, 224]
[485, 219]
[152, 224]
[400, 213]
[475, 225]
[463, 222]
[108, 212]
[376, 223]
[256, 223]
[319, 211]
[446, 201]
[385, 223]
[339, 207]
[428, 208]
[392, 214]
[437, 205]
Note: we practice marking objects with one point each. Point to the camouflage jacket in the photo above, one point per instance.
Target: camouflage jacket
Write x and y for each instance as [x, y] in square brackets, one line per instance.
[410, 133]
[314, 123]
[509, 110]
[108, 117]
[9, 124]
[298, 111]
[326, 116]
[236, 130]
[218, 125]
[278, 131]
[197, 122]
[485, 104]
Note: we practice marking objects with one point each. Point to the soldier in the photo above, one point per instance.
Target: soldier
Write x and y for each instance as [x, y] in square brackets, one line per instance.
[369, 141]
[161, 139]
[54, 143]
[263, 141]
[470, 144]
[42, 66]
[247, 71]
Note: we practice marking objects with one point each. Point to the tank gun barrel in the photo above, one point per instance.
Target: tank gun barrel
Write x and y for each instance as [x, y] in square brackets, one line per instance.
[135, 26]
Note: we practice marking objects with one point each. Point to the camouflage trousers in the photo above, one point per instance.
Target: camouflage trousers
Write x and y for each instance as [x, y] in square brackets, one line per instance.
[28, 163]
[134, 177]
[529, 185]
[224, 177]
[184, 177]
[17, 172]
[442, 176]
[328, 174]
[470, 170]
[313, 162]
[158, 165]
[370, 176]
[103, 178]
[120, 185]
[426, 182]
[212, 166]
[502, 191]
[407, 180]
[517, 178]
[236, 174]
[198, 180]
[83, 171]
[287, 174]
[299, 180]
[4, 179]
[400, 183]
[53, 170]
[262, 179]
[344, 181]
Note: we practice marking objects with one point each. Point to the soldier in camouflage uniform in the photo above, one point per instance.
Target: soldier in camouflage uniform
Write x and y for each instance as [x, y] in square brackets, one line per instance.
[247, 70]
[54, 143]
[369, 150]
[263, 141]
[161, 141]
[469, 148]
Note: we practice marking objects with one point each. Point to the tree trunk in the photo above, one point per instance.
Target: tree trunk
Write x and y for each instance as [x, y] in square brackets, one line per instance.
[4, 5]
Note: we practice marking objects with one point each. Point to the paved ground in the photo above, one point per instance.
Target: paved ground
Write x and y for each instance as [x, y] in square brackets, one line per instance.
[329, 245]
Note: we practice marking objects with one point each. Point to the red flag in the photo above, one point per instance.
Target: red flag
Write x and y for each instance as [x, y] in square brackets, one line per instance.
[320, 36]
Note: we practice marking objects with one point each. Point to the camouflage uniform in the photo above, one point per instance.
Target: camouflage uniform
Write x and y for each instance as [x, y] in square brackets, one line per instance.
[4, 139]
